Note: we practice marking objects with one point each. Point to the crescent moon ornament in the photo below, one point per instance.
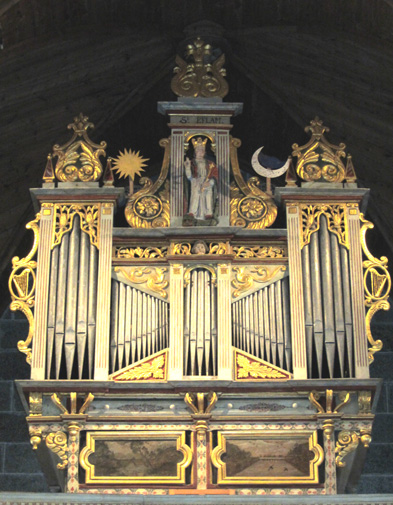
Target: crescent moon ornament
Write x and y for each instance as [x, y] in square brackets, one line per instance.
[265, 171]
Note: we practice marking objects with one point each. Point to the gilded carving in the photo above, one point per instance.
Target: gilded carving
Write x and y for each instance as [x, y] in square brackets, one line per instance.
[73, 400]
[259, 252]
[64, 218]
[140, 252]
[318, 160]
[35, 436]
[148, 208]
[153, 369]
[57, 443]
[249, 368]
[250, 207]
[35, 404]
[246, 276]
[377, 284]
[364, 402]
[153, 277]
[336, 221]
[201, 77]
[343, 396]
[21, 284]
[201, 403]
[200, 247]
[79, 158]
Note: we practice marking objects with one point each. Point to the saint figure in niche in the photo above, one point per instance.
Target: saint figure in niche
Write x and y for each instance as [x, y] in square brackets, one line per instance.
[202, 174]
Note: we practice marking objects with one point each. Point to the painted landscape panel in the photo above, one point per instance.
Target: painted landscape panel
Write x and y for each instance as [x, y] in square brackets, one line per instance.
[277, 457]
[135, 458]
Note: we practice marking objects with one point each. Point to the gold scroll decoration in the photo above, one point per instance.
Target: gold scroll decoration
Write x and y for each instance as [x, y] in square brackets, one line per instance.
[336, 221]
[325, 411]
[320, 161]
[79, 158]
[199, 247]
[200, 75]
[139, 252]
[259, 252]
[250, 207]
[151, 369]
[210, 268]
[148, 208]
[57, 443]
[348, 441]
[250, 368]
[246, 276]
[64, 217]
[22, 284]
[377, 284]
[152, 277]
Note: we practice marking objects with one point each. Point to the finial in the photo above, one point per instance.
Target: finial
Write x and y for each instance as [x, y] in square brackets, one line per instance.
[202, 76]
[318, 160]
[79, 159]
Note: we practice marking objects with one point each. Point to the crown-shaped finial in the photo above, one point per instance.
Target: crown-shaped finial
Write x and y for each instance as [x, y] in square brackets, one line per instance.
[316, 128]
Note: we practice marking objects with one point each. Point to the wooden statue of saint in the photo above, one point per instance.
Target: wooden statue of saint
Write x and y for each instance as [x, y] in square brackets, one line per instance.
[201, 198]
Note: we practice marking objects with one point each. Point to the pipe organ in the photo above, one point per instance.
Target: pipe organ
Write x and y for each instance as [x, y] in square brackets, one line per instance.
[201, 349]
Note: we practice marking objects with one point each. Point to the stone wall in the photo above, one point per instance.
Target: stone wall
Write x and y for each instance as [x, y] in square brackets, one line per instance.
[19, 468]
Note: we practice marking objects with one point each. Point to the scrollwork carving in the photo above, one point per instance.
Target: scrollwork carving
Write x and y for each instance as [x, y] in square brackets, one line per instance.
[21, 285]
[64, 218]
[336, 221]
[377, 284]
[57, 443]
[246, 276]
[79, 158]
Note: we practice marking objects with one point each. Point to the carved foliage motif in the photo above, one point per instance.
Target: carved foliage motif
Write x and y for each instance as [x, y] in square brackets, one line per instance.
[154, 278]
[377, 284]
[22, 284]
[259, 252]
[79, 158]
[198, 78]
[336, 221]
[246, 276]
[250, 207]
[151, 369]
[252, 369]
[141, 252]
[318, 160]
[64, 217]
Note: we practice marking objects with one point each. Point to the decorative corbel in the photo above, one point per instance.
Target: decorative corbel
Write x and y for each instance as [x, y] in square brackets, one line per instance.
[201, 405]
[348, 441]
[57, 443]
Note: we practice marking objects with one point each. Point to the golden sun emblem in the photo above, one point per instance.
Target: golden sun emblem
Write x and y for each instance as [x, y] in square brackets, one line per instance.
[129, 164]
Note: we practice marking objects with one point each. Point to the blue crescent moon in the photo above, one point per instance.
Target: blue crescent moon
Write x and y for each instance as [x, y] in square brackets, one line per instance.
[268, 166]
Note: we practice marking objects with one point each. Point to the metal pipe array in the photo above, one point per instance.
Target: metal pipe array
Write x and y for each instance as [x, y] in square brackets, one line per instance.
[200, 325]
[72, 307]
[327, 302]
[261, 324]
[139, 325]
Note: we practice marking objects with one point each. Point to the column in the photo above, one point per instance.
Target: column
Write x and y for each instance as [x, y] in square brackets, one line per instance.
[38, 361]
[223, 181]
[177, 161]
[101, 361]
[224, 324]
[176, 323]
[358, 308]
[296, 293]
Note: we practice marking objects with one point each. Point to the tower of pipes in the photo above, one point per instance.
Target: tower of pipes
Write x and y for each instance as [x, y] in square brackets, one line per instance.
[201, 349]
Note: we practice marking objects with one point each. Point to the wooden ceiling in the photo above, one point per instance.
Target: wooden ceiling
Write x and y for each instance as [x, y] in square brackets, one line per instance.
[287, 60]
